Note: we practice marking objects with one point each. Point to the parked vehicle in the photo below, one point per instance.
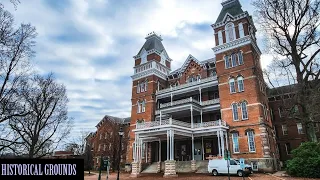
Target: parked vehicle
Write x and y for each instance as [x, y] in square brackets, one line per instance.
[219, 166]
[246, 165]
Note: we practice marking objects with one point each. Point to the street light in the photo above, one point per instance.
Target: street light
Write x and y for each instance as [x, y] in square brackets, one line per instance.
[120, 148]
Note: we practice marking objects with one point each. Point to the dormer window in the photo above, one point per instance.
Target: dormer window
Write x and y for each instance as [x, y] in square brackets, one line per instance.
[144, 56]
[230, 33]
[220, 38]
[241, 31]
[163, 58]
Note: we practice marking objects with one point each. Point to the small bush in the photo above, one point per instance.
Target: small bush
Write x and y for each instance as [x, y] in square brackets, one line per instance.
[305, 161]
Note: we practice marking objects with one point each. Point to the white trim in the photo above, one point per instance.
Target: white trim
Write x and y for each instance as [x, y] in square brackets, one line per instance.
[149, 73]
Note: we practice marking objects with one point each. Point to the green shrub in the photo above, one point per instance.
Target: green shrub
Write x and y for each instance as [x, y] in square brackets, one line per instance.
[305, 161]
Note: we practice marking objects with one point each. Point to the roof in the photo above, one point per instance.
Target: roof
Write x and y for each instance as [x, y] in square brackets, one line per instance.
[233, 7]
[187, 61]
[281, 90]
[114, 119]
[153, 41]
[61, 153]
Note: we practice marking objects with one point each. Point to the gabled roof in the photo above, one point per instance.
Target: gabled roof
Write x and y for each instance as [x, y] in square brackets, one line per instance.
[231, 7]
[114, 119]
[187, 62]
[153, 41]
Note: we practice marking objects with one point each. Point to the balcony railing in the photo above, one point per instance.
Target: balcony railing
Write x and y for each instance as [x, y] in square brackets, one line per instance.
[190, 100]
[200, 81]
[150, 65]
[156, 124]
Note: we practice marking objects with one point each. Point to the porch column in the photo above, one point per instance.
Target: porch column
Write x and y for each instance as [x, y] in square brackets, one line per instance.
[222, 143]
[200, 96]
[134, 149]
[201, 116]
[202, 148]
[192, 147]
[191, 110]
[219, 146]
[172, 145]
[168, 144]
[159, 150]
[146, 151]
[227, 142]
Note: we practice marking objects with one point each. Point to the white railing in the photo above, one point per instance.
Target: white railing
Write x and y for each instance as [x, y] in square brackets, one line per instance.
[188, 100]
[209, 102]
[200, 81]
[151, 65]
[170, 121]
[178, 102]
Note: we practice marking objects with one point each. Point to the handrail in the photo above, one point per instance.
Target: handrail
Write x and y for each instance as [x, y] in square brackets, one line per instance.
[200, 81]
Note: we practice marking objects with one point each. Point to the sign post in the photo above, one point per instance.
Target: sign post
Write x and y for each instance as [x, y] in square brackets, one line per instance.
[241, 160]
[227, 157]
[106, 165]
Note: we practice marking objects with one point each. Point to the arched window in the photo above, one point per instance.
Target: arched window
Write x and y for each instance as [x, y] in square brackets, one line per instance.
[244, 110]
[146, 85]
[138, 87]
[142, 87]
[227, 61]
[251, 143]
[235, 142]
[220, 38]
[230, 32]
[144, 56]
[138, 107]
[241, 31]
[234, 107]
[233, 60]
[240, 84]
[143, 105]
[232, 85]
[240, 58]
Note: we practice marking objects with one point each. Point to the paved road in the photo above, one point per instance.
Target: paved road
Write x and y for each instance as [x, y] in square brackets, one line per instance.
[194, 177]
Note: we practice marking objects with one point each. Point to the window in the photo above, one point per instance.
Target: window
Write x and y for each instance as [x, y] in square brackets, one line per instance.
[220, 38]
[100, 136]
[240, 84]
[138, 87]
[232, 86]
[241, 32]
[142, 87]
[104, 147]
[235, 111]
[106, 135]
[229, 32]
[251, 143]
[272, 115]
[280, 111]
[227, 61]
[300, 129]
[109, 146]
[144, 57]
[284, 129]
[233, 60]
[240, 58]
[288, 148]
[99, 147]
[232, 162]
[244, 110]
[213, 73]
[235, 142]
[143, 104]
[146, 85]
[138, 107]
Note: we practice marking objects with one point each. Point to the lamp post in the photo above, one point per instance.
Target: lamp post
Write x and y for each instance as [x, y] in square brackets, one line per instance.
[120, 148]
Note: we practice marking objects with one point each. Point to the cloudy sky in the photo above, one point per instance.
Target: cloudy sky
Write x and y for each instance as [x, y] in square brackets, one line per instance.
[90, 44]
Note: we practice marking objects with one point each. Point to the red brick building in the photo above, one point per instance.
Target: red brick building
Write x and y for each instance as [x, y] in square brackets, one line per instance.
[105, 141]
[290, 133]
[204, 107]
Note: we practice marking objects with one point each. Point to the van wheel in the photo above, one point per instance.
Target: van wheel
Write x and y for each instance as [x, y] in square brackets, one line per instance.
[215, 172]
[240, 173]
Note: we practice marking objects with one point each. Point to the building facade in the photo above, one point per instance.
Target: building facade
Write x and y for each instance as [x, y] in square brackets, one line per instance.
[104, 143]
[204, 108]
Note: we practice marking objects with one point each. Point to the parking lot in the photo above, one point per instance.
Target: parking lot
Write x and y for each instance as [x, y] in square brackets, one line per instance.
[189, 176]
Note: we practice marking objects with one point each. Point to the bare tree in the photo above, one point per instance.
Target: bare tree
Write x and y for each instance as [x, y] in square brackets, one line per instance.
[78, 144]
[15, 50]
[292, 28]
[41, 131]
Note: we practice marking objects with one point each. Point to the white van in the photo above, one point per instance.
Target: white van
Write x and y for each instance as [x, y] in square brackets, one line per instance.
[219, 166]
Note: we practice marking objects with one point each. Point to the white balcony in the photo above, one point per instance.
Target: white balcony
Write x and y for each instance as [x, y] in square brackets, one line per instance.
[189, 86]
[175, 123]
